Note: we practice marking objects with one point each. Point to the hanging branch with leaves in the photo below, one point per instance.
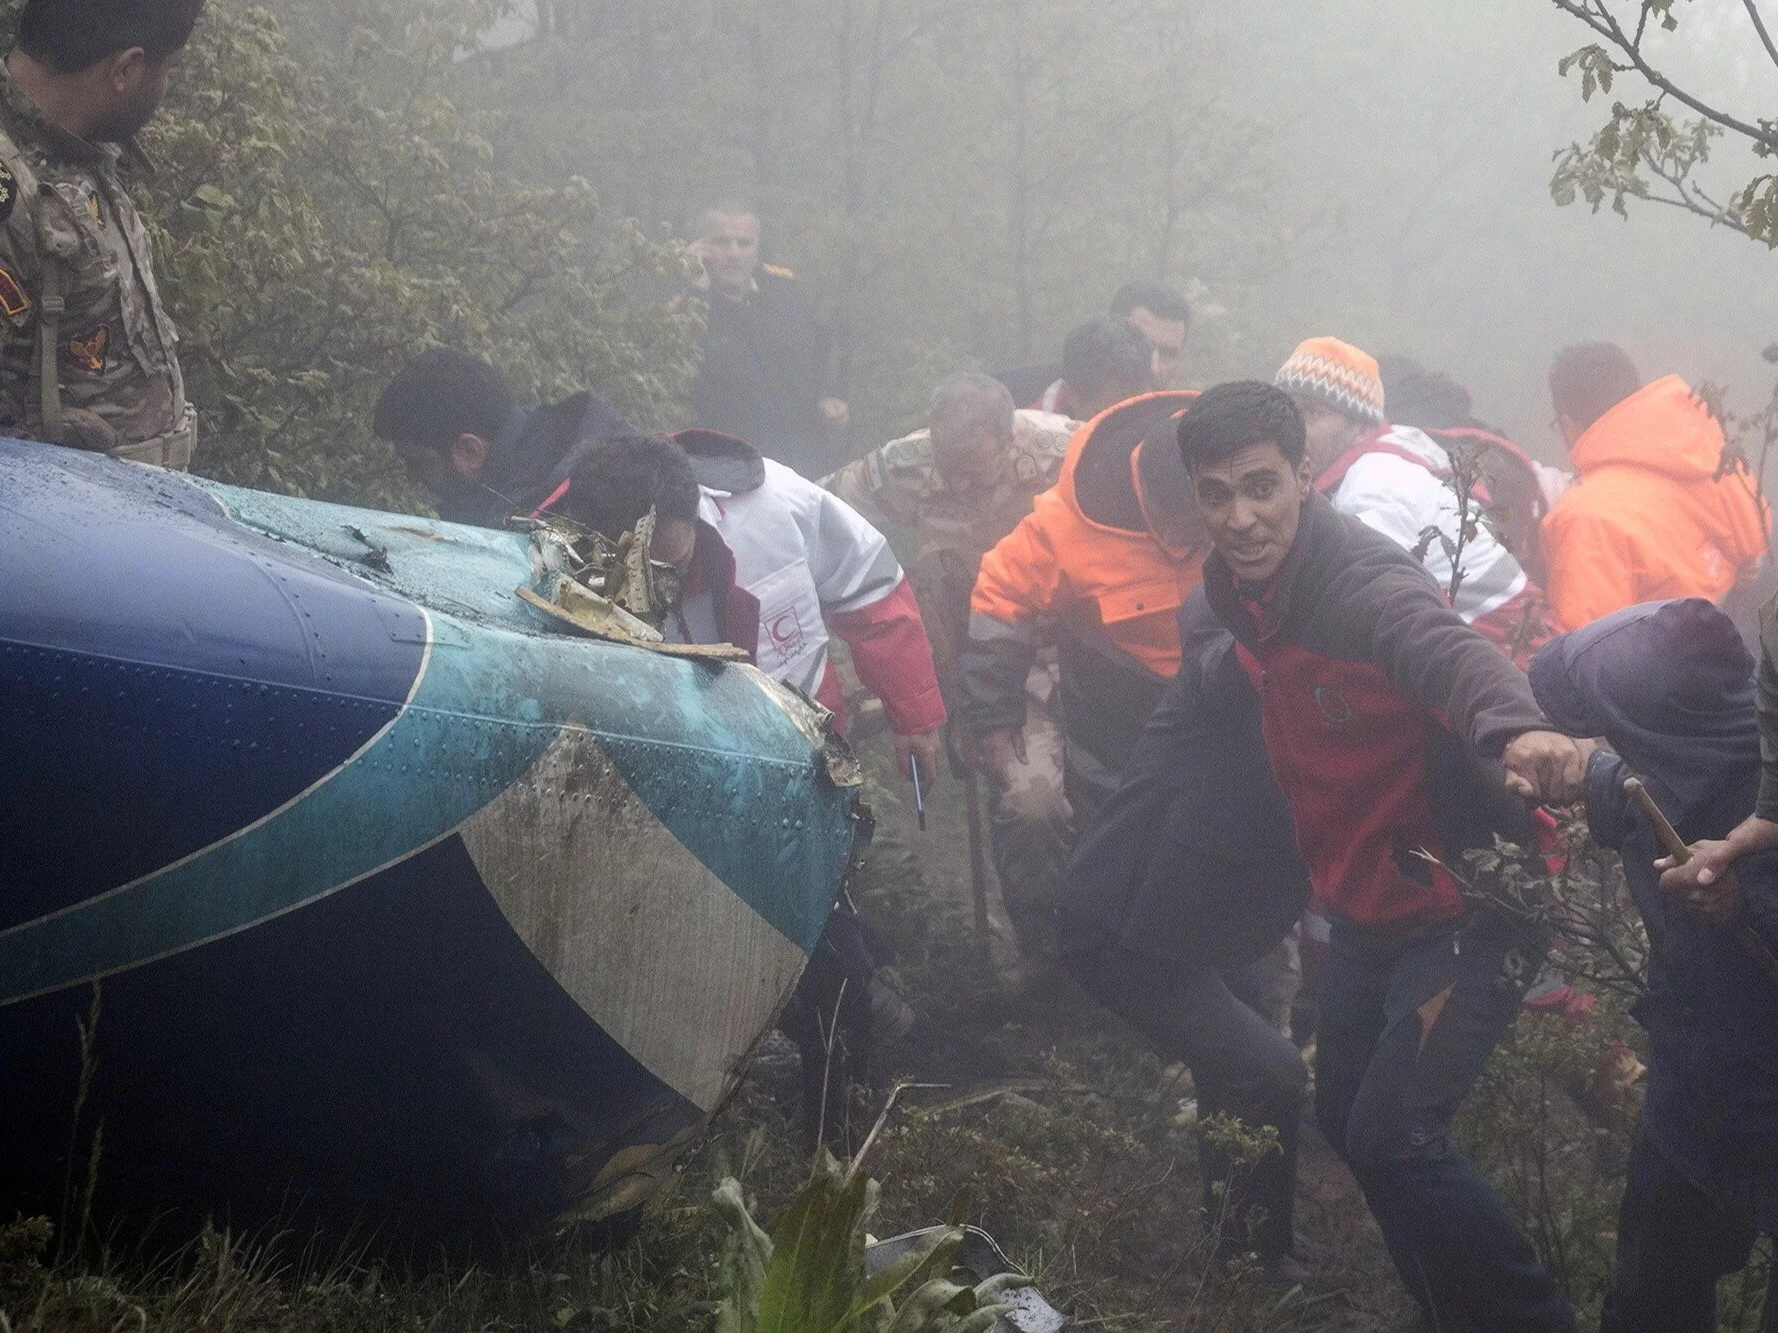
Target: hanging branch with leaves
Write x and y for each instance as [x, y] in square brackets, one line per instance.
[1654, 151]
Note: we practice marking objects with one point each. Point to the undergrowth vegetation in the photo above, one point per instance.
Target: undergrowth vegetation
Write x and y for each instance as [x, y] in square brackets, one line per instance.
[1068, 1139]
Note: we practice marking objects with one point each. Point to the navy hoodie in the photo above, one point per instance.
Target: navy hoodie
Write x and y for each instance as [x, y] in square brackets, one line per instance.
[1670, 686]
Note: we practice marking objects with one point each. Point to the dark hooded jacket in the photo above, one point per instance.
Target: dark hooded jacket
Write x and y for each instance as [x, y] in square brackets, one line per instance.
[1191, 862]
[531, 458]
[1670, 686]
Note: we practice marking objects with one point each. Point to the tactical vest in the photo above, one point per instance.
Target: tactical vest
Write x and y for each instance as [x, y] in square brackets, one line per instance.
[172, 449]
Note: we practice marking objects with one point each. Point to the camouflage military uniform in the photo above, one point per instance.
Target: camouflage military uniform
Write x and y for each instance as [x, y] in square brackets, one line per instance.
[941, 536]
[89, 357]
[899, 489]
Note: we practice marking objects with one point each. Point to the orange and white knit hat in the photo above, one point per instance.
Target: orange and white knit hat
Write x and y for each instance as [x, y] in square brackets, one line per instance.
[1338, 374]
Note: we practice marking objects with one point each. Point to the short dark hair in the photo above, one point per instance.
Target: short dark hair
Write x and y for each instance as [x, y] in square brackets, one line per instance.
[1429, 399]
[72, 35]
[1106, 354]
[442, 395]
[730, 203]
[1155, 297]
[1587, 380]
[618, 479]
[1223, 421]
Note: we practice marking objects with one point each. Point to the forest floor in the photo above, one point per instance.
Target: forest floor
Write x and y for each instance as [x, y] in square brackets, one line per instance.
[1085, 1168]
[1076, 1146]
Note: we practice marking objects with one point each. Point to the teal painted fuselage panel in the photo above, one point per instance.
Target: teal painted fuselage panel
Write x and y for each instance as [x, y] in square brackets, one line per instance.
[235, 718]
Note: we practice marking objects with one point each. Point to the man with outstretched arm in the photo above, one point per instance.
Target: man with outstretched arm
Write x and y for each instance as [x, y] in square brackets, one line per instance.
[1401, 739]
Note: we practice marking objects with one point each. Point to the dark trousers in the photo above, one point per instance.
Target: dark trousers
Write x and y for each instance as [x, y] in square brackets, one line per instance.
[1408, 1020]
[1674, 1243]
[1241, 1065]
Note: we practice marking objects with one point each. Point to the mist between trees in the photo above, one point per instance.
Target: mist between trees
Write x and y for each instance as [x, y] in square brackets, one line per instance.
[345, 182]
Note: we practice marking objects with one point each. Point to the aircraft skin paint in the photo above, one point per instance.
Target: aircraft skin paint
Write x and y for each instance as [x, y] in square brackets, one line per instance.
[230, 707]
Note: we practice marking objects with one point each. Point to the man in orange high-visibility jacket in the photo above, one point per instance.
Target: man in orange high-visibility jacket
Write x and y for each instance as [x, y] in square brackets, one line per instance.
[1655, 514]
[1103, 561]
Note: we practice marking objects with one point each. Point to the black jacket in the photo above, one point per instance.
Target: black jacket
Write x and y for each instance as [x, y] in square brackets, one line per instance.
[1670, 685]
[1191, 862]
[766, 366]
[529, 459]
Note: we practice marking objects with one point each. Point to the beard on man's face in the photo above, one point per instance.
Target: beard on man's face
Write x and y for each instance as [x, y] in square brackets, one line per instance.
[126, 120]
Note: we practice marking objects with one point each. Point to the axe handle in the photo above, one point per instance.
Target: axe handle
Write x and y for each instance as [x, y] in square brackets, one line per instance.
[978, 868]
[1753, 944]
[1669, 835]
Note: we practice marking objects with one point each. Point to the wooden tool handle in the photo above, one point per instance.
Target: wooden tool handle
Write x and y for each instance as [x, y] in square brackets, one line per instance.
[1675, 844]
[1752, 943]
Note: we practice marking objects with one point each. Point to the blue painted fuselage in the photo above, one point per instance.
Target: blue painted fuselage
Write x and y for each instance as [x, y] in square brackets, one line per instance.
[394, 900]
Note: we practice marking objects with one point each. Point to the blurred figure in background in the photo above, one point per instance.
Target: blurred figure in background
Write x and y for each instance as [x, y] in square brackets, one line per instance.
[1154, 309]
[1658, 512]
[767, 374]
[1521, 489]
[1160, 315]
[1104, 362]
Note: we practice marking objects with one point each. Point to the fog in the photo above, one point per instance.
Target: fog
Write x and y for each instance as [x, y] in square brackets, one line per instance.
[959, 182]
[1426, 132]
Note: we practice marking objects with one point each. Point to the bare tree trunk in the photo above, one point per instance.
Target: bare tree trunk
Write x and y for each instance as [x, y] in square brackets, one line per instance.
[1019, 202]
[850, 189]
[766, 95]
[1163, 250]
[648, 82]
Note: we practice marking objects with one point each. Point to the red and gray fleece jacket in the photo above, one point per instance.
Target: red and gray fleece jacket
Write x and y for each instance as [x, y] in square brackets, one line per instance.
[1384, 715]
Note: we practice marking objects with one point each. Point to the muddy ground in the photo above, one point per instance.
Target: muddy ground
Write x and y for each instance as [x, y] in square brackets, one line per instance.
[1077, 1145]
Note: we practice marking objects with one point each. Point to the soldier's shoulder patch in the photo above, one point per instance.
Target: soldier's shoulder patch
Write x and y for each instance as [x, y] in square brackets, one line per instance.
[9, 191]
[1045, 434]
[909, 454]
[90, 351]
[871, 474]
[94, 207]
[776, 271]
[13, 300]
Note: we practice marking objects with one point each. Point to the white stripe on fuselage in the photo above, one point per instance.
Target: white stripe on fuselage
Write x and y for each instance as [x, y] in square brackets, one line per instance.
[667, 959]
[327, 777]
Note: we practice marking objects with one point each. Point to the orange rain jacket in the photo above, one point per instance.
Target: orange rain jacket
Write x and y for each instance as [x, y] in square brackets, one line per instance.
[1649, 519]
[1090, 560]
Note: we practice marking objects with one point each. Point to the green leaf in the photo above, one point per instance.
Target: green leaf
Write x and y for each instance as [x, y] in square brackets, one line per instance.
[926, 1308]
[749, 1254]
[905, 1268]
[817, 1268]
